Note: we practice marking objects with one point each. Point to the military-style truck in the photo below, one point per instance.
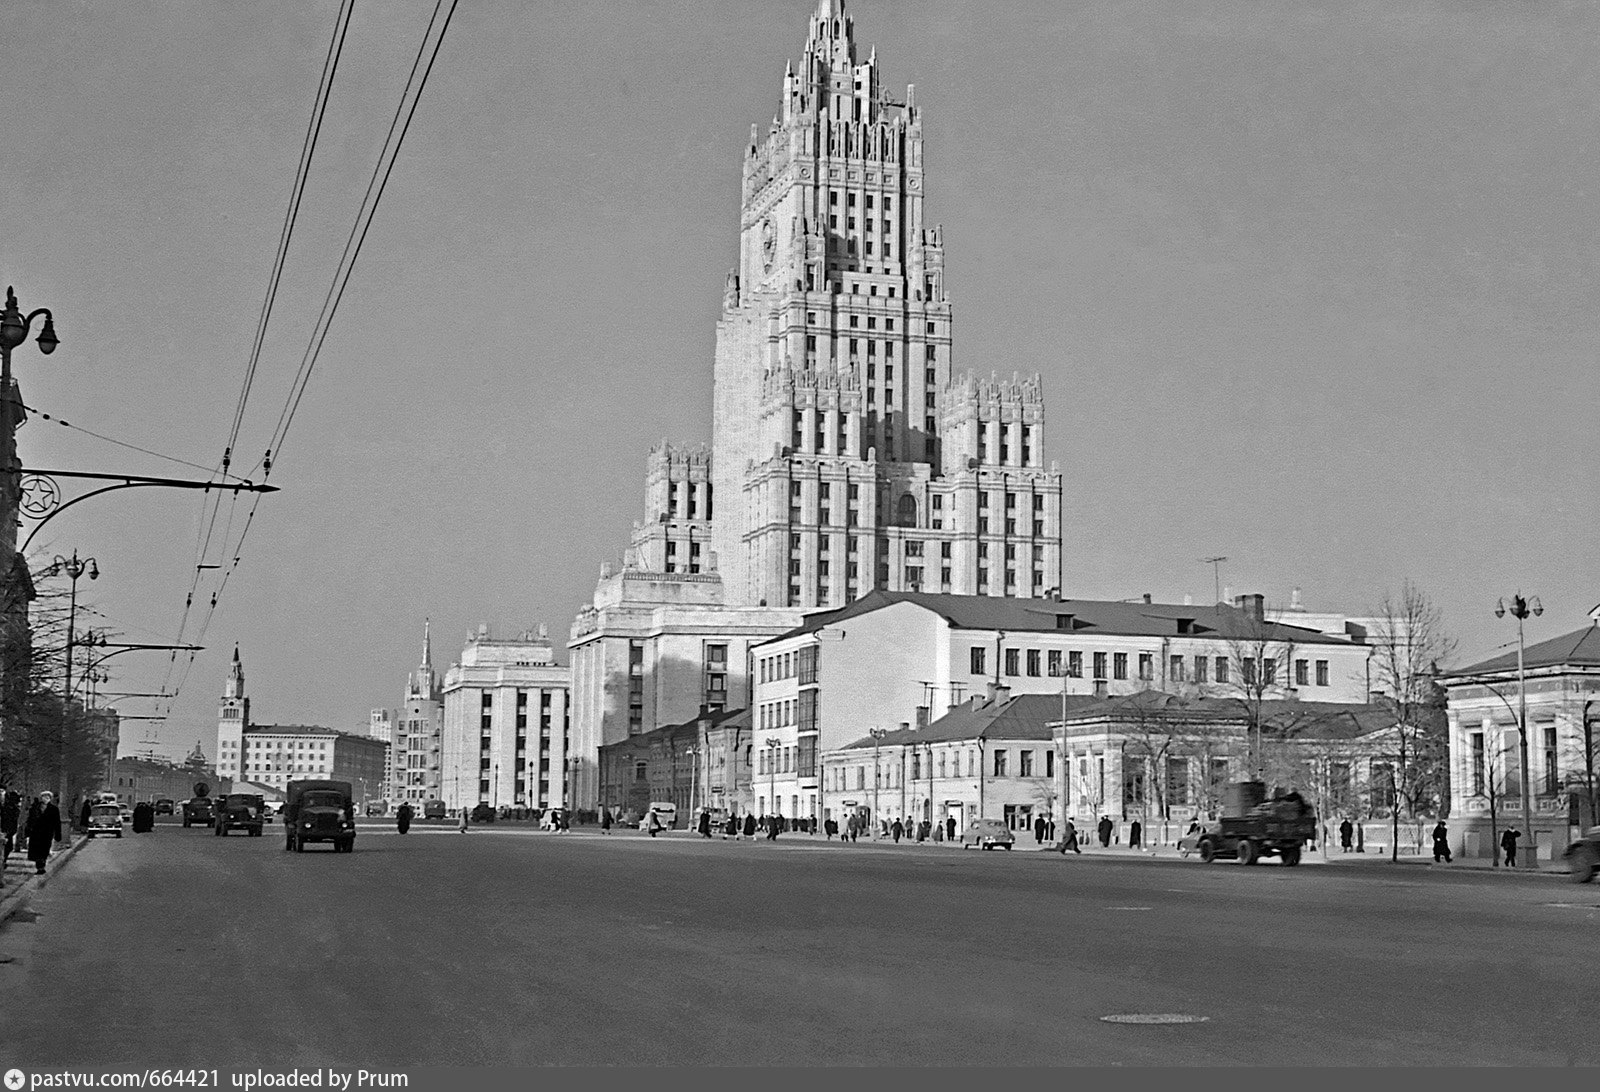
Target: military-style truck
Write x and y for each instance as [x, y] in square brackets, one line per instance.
[319, 811]
[1253, 827]
[241, 811]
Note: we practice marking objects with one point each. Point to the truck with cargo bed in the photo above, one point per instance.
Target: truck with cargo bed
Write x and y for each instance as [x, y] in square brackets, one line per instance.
[1252, 827]
[319, 811]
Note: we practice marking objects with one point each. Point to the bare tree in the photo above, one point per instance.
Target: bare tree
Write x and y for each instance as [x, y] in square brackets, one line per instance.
[1254, 679]
[1410, 643]
[1492, 779]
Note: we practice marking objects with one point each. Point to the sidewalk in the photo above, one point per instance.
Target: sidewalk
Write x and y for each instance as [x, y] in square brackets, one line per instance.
[21, 881]
[1337, 858]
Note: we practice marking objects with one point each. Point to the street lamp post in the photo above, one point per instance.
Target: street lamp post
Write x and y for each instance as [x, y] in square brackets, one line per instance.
[1520, 608]
[693, 755]
[877, 777]
[75, 568]
[772, 780]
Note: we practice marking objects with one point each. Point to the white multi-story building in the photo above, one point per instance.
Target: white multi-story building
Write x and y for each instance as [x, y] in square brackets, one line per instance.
[896, 659]
[506, 724]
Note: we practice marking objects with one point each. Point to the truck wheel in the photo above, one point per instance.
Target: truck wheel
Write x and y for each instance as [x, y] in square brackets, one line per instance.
[1290, 855]
[1207, 850]
[1247, 851]
[1585, 860]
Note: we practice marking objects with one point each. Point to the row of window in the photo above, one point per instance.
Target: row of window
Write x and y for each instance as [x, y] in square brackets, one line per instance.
[1497, 773]
[1036, 663]
[947, 763]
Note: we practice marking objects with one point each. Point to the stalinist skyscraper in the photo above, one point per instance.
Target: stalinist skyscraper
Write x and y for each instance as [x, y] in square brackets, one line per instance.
[847, 453]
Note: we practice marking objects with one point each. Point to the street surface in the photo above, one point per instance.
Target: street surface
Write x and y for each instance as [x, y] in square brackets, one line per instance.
[518, 947]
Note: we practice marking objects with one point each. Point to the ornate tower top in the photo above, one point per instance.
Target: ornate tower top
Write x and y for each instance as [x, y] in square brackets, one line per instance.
[424, 681]
[234, 687]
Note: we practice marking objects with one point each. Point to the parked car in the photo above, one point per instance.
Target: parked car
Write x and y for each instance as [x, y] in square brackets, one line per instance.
[165, 806]
[105, 819]
[433, 809]
[986, 834]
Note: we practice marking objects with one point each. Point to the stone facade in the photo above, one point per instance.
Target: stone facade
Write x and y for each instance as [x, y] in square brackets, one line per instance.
[506, 724]
[701, 763]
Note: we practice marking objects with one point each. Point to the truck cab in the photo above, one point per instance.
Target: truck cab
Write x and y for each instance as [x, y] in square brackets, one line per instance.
[241, 811]
[319, 811]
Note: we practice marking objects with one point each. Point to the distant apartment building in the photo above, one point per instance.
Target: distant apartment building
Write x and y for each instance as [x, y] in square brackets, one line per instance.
[506, 724]
[272, 755]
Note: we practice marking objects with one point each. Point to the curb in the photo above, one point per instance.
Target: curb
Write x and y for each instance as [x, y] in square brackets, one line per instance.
[15, 899]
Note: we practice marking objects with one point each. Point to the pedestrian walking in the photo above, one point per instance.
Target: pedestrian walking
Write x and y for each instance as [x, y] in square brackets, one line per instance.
[564, 821]
[1346, 835]
[1050, 829]
[1069, 839]
[83, 815]
[402, 818]
[10, 821]
[750, 824]
[1038, 831]
[1508, 842]
[1441, 843]
[1136, 835]
[896, 830]
[730, 829]
[772, 828]
[43, 827]
[463, 826]
[605, 820]
[705, 824]
[1105, 828]
[950, 828]
[653, 823]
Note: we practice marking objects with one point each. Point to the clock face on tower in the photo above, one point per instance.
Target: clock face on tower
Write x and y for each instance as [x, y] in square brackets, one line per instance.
[769, 243]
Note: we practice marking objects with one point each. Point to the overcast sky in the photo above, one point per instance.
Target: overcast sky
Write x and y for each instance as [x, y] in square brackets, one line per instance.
[1312, 286]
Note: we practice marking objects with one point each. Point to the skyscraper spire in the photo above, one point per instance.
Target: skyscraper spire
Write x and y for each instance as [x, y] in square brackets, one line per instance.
[427, 646]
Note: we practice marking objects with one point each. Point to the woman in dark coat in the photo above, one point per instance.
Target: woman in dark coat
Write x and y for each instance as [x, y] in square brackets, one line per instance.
[10, 822]
[730, 829]
[402, 818]
[749, 824]
[705, 824]
[44, 827]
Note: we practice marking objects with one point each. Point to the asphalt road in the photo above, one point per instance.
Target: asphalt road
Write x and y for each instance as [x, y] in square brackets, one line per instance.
[525, 948]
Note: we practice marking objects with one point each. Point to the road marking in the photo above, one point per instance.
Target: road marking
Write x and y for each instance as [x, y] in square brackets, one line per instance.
[1153, 1018]
[1127, 908]
[1575, 905]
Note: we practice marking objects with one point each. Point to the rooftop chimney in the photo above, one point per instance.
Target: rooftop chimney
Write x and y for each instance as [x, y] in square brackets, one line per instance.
[999, 693]
[1254, 606]
[1147, 597]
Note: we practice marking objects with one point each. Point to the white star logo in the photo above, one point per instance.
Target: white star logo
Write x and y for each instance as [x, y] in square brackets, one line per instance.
[15, 1079]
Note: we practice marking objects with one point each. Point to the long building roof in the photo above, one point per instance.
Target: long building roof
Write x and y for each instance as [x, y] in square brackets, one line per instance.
[1087, 617]
[1580, 648]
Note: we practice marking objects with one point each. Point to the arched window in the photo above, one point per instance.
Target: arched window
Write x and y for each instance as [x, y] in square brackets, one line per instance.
[906, 514]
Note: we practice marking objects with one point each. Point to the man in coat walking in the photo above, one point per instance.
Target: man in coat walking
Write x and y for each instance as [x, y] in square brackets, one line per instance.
[1441, 843]
[1347, 832]
[1038, 831]
[750, 825]
[1105, 829]
[1069, 839]
[1508, 842]
[43, 828]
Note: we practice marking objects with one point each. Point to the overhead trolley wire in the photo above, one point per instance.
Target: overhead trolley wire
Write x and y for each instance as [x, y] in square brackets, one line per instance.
[376, 186]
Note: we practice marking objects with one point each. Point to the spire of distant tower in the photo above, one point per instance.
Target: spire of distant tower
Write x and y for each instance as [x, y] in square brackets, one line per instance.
[427, 646]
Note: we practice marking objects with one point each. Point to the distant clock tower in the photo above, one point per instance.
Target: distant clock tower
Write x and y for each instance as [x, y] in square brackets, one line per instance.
[233, 718]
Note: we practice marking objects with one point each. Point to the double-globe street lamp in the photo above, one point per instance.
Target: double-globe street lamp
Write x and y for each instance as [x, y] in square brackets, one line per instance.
[75, 568]
[877, 735]
[1520, 609]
